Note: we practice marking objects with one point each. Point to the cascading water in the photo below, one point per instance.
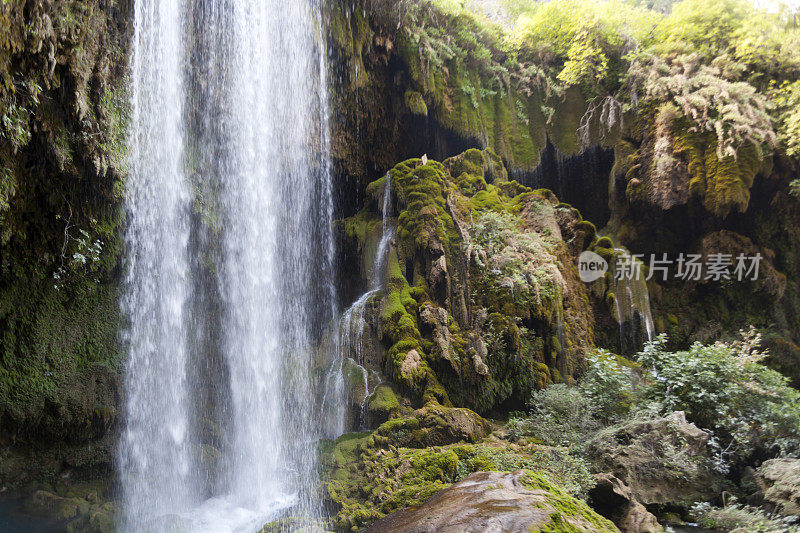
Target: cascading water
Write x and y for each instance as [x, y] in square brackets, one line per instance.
[155, 456]
[349, 341]
[632, 306]
[230, 142]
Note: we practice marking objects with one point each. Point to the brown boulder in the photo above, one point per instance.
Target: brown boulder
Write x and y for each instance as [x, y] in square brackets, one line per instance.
[662, 460]
[778, 481]
[494, 501]
[612, 498]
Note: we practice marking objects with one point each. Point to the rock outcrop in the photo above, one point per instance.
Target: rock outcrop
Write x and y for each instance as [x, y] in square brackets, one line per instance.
[778, 482]
[613, 499]
[662, 461]
[483, 303]
[492, 501]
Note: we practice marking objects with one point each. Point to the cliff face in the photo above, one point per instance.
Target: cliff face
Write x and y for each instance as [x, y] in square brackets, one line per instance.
[62, 166]
[482, 301]
[427, 82]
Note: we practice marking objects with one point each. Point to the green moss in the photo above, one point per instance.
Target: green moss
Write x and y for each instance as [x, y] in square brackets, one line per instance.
[473, 98]
[604, 242]
[566, 506]
[352, 36]
[723, 184]
[368, 476]
[416, 103]
[563, 128]
[488, 200]
[114, 110]
[52, 342]
[439, 206]
[383, 401]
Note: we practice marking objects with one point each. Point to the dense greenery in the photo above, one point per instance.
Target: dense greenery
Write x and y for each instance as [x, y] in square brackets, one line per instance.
[712, 85]
[723, 389]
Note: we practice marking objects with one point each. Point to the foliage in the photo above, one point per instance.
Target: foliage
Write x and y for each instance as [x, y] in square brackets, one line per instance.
[608, 385]
[562, 415]
[15, 114]
[520, 262]
[568, 471]
[581, 42]
[787, 100]
[724, 389]
[707, 95]
[719, 62]
[629, 436]
[706, 26]
[735, 516]
[84, 260]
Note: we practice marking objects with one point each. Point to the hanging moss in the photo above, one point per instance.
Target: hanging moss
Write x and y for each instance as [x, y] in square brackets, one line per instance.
[563, 127]
[723, 184]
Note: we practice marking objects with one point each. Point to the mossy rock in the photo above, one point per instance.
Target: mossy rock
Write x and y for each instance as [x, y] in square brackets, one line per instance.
[367, 477]
[507, 501]
[434, 425]
[416, 103]
[722, 182]
[383, 403]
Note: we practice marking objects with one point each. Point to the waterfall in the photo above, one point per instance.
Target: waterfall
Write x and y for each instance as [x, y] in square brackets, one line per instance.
[230, 195]
[632, 307]
[155, 452]
[349, 343]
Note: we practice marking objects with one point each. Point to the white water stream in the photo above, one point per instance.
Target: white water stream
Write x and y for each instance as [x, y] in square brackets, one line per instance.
[229, 98]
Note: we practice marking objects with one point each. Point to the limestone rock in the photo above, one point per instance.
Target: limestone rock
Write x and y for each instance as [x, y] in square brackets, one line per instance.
[434, 425]
[381, 405]
[635, 453]
[493, 501]
[778, 481]
[410, 364]
[612, 498]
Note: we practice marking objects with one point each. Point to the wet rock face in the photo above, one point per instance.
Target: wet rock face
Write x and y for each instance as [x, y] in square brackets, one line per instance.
[493, 501]
[63, 66]
[778, 481]
[483, 302]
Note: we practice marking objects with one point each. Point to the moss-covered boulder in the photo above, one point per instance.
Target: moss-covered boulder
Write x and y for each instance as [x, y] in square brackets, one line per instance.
[369, 475]
[778, 484]
[664, 461]
[381, 405]
[433, 425]
[482, 302]
[516, 501]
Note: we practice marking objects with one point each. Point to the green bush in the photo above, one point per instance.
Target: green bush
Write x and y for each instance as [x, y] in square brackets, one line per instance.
[608, 385]
[562, 415]
[724, 389]
[734, 516]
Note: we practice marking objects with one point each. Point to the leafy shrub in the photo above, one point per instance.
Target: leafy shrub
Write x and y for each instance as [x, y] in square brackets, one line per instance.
[562, 415]
[608, 385]
[724, 389]
[708, 94]
[787, 99]
[560, 467]
[737, 516]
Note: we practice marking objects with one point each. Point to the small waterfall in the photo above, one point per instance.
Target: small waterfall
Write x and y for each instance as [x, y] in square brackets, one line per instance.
[349, 342]
[632, 306]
